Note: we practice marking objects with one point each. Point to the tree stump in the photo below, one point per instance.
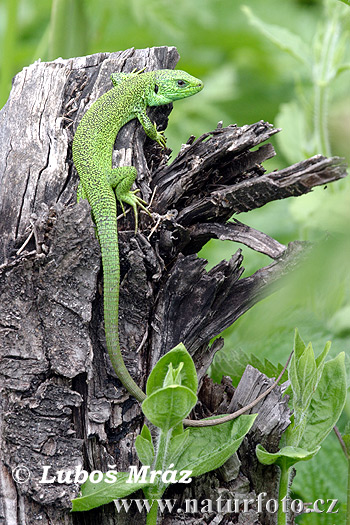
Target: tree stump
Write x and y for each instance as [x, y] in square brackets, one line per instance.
[62, 405]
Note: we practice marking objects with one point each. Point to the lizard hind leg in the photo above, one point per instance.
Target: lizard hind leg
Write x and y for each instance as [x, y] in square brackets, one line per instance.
[121, 179]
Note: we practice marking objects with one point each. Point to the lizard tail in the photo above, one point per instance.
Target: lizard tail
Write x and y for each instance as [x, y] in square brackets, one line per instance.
[108, 238]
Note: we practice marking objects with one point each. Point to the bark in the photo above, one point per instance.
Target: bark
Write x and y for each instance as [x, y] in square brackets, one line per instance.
[62, 405]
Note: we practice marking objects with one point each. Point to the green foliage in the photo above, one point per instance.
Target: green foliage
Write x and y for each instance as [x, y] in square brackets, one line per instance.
[232, 363]
[96, 494]
[283, 38]
[286, 457]
[171, 391]
[177, 359]
[318, 397]
[144, 446]
[168, 406]
[327, 402]
[315, 479]
[323, 62]
[208, 448]
[67, 30]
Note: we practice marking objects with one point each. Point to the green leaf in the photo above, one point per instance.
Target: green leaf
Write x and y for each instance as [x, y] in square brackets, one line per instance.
[178, 429]
[346, 439]
[286, 457]
[177, 445]
[320, 361]
[96, 494]
[292, 140]
[304, 376]
[168, 406]
[208, 448]
[299, 348]
[146, 433]
[173, 376]
[232, 363]
[323, 475]
[175, 357]
[306, 369]
[145, 450]
[294, 432]
[327, 403]
[283, 38]
[294, 375]
[299, 345]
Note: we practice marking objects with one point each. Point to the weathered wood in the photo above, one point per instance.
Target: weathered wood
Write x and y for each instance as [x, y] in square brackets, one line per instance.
[62, 404]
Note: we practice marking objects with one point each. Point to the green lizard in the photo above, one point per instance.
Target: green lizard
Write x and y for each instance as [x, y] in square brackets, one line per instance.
[103, 185]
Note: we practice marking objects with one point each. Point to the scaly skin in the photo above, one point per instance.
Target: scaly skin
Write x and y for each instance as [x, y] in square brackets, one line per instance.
[103, 185]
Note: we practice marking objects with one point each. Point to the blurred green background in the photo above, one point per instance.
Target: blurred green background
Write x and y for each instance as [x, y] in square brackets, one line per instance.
[285, 62]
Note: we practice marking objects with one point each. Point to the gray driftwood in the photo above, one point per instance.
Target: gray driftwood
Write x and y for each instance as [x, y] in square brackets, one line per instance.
[61, 402]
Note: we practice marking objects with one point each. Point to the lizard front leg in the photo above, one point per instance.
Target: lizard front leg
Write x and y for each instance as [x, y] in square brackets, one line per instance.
[150, 127]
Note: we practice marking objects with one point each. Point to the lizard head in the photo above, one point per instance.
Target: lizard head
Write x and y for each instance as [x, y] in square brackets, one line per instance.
[172, 85]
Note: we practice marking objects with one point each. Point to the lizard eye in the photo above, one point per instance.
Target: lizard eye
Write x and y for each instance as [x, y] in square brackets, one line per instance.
[156, 88]
[181, 83]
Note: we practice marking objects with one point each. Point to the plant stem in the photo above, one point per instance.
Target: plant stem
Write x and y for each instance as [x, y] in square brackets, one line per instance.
[324, 73]
[162, 446]
[341, 441]
[347, 456]
[321, 125]
[159, 464]
[152, 515]
[282, 517]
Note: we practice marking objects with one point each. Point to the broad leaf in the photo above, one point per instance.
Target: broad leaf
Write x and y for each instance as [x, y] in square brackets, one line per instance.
[96, 494]
[233, 362]
[145, 450]
[208, 448]
[327, 403]
[306, 369]
[175, 357]
[146, 433]
[299, 345]
[283, 38]
[286, 457]
[320, 360]
[178, 429]
[177, 445]
[293, 140]
[168, 406]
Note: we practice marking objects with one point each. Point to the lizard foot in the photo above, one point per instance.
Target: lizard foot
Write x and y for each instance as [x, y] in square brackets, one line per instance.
[134, 201]
[160, 138]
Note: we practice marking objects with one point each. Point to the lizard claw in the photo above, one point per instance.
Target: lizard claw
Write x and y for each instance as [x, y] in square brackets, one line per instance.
[139, 200]
[160, 137]
[134, 201]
